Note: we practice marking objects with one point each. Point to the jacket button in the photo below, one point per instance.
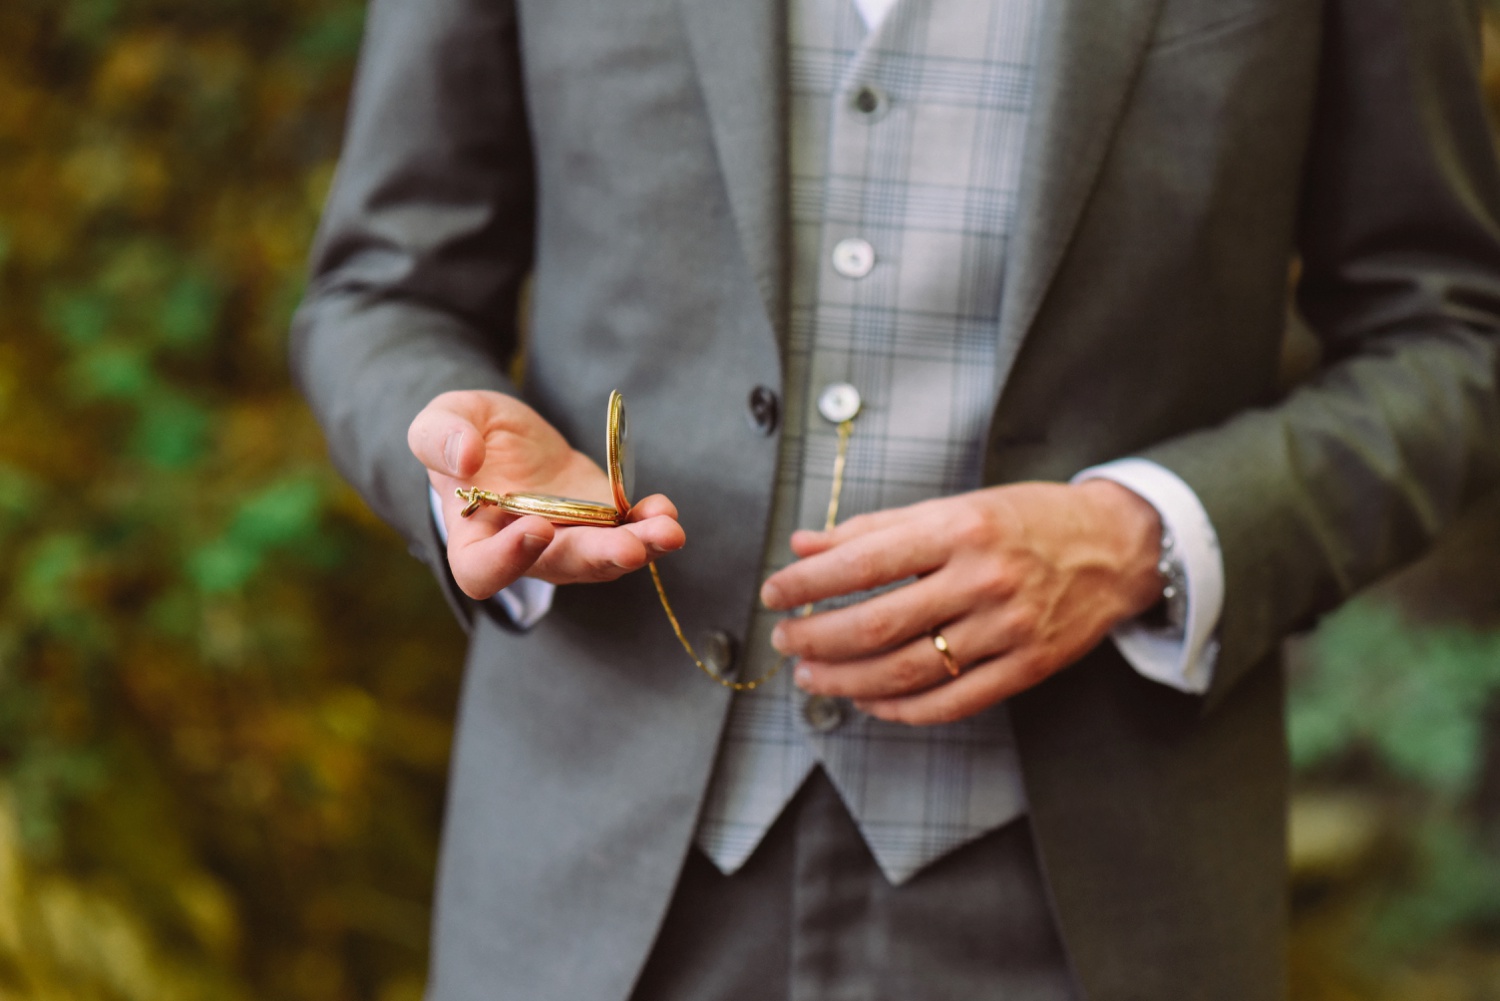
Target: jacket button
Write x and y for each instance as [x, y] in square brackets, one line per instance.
[765, 408]
[716, 649]
[823, 714]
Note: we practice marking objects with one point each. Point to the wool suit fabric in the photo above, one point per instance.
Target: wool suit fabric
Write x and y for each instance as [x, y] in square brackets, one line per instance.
[811, 917]
[630, 155]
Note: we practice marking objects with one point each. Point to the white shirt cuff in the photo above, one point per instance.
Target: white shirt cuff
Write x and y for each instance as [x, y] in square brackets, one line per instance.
[525, 601]
[1184, 662]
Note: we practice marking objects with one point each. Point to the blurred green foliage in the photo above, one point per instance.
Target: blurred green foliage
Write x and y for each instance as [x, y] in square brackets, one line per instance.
[1415, 695]
[1408, 708]
[225, 696]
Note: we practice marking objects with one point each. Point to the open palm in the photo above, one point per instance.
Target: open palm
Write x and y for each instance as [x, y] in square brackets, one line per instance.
[496, 442]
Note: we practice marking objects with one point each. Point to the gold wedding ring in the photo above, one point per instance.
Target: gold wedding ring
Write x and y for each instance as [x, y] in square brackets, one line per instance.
[941, 642]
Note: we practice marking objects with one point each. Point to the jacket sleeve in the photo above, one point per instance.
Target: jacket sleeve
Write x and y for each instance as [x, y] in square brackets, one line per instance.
[425, 241]
[1356, 471]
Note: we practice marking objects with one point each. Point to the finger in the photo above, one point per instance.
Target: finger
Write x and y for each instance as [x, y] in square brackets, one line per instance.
[981, 686]
[880, 623]
[582, 554]
[655, 506]
[817, 541]
[445, 437]
[486, 558]
[915, 665]
[807, 543]
[867, 561]
[661, 534]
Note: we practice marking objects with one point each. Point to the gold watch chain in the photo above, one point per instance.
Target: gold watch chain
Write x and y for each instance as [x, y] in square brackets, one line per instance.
[845, 428]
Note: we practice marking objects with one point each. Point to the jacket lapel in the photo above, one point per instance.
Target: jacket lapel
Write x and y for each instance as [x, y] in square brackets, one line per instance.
[739, 48]
[1087, 57]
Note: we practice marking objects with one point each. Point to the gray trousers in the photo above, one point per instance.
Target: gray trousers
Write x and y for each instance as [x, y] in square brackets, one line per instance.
[811, 918]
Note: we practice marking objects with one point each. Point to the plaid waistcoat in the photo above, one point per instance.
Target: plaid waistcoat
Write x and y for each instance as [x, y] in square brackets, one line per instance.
[905, 147]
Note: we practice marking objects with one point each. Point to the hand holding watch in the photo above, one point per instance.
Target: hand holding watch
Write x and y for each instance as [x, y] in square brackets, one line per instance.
[567, 510]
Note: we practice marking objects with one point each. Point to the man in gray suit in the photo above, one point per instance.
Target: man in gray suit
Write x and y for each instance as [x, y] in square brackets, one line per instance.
[1023, 265]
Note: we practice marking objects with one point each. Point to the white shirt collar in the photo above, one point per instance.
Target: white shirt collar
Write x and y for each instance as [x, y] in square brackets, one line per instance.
[874, 11]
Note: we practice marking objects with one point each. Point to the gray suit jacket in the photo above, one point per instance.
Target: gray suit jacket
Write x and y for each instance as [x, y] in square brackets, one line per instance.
[630, 154]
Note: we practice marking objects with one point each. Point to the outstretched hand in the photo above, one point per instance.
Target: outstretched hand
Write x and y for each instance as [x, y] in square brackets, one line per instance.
[496, 442]
[1021, 580]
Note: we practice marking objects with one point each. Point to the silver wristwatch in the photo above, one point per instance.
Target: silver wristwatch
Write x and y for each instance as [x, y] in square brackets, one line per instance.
[1174, 598]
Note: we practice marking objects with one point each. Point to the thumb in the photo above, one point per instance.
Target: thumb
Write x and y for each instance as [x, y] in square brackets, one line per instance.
[446, 441]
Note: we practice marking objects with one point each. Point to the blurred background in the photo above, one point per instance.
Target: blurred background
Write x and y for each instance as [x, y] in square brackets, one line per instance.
[225, 690]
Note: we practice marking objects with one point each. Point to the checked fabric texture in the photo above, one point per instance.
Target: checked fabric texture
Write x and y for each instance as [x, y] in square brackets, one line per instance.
[906, 140]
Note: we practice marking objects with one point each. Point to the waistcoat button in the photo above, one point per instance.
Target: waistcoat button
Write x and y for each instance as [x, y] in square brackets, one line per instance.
[823, 714]
[853, 257]
[838, 402]
[764, 408]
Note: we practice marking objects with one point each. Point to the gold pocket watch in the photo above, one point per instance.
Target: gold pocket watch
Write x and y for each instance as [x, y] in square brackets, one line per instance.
[567, 510]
